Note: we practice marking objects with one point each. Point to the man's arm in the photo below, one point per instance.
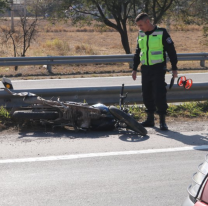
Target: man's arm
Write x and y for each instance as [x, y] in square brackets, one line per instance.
[136, 57]
[136, 61]
[170, 48]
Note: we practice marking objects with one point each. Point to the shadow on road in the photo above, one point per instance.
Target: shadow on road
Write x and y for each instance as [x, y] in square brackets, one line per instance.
[188, 133]
[43, 133]
[189, 138]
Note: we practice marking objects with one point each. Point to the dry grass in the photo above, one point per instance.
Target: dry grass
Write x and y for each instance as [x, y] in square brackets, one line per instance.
[65, 39]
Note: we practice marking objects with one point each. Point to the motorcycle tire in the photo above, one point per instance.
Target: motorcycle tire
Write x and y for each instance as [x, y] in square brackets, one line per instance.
[128, 120]
[35, 115]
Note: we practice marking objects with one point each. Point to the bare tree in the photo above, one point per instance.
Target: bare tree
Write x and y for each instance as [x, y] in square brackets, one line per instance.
[112, 13]
[21, 37]
[195, 12]
[157, 8]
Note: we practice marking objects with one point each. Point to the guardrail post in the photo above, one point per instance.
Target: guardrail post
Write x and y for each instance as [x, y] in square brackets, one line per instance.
[130, 65]
[49, 67]
[202, 63]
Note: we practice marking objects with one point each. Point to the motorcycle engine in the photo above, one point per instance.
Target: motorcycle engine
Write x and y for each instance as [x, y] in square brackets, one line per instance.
[106, 122]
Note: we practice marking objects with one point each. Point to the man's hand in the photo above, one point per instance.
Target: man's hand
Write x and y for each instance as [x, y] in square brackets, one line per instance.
[175, 73]
[134, 73]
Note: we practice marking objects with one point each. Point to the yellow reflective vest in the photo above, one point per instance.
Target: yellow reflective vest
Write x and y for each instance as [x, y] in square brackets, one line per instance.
[152, 50]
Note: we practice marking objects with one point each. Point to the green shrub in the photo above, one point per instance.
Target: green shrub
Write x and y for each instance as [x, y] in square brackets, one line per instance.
[57, 44]
[4, 114]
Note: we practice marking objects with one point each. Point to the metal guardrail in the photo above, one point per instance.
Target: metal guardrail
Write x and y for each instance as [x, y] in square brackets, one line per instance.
[107, 95]
[55, 60]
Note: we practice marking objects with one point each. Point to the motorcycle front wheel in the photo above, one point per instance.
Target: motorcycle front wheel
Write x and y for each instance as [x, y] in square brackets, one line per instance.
[128, 120]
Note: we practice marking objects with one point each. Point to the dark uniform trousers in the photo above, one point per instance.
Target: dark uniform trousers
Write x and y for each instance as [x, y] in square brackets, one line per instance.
[154, 89]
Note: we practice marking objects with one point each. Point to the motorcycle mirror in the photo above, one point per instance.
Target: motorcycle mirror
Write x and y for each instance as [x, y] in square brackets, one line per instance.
[7, 83]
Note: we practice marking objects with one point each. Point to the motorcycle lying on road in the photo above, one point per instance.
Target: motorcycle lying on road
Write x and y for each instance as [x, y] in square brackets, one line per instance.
[75, 114]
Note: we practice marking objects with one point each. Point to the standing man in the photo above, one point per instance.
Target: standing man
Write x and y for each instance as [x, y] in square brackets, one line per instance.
[152, 43]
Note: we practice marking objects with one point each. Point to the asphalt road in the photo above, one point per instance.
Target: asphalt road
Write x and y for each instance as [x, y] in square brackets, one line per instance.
[95, 81]
[64, 167]
[148, 179]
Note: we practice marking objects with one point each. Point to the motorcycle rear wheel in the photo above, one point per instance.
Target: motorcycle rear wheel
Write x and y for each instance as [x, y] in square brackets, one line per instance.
[35, 115]
[128, 120]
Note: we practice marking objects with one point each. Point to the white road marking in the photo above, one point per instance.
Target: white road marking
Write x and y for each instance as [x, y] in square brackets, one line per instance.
[104, 154]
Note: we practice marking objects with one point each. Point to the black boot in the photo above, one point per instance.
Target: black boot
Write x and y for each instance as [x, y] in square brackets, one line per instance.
[163, 125]
[150, 121]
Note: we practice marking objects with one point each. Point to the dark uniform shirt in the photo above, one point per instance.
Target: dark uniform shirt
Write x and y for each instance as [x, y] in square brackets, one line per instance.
[168, 47]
